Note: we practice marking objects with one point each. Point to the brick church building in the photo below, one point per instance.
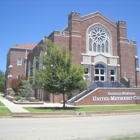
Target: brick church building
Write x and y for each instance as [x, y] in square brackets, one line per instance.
[101, 46]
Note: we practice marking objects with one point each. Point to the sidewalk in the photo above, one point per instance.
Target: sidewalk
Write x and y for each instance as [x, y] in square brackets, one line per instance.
[19, 111]
[12, 107]
[16, 108]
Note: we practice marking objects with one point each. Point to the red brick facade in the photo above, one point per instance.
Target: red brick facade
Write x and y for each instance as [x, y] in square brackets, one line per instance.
[13, 69]
[98, 44]
[111, 97]
[122, 51]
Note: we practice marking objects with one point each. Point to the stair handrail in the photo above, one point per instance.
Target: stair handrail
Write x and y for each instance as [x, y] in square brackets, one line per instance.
[76, 96]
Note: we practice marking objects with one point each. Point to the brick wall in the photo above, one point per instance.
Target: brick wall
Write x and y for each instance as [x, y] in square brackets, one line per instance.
[16, 69]
[74, 36]
[91, 99]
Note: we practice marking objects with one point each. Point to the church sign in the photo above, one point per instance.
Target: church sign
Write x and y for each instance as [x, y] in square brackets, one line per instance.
[106, 96]
[118, 96]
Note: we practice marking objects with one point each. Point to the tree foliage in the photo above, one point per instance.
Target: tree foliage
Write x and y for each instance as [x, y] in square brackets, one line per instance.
[2, 81]
[58, 74]
[26, 89]
[17, 83]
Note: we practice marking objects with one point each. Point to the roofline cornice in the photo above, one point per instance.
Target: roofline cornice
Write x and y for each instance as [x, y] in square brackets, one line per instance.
[21, 48]
[90, 14]
[100, 15]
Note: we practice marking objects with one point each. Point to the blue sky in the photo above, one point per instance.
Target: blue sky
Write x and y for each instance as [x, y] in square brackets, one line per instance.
[28, 21]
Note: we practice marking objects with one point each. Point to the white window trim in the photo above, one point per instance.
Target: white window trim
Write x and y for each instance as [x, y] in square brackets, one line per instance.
[19, 62]
[89, 71]
[113, 75]
[99, 75]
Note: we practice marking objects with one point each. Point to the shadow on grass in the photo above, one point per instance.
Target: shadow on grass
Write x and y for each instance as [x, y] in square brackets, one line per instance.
[56, 108]
[74, 109]
[52, 109]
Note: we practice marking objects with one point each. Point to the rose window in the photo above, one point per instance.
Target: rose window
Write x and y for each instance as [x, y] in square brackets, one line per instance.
[98, 40]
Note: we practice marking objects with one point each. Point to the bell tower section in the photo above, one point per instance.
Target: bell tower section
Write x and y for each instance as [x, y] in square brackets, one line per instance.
[75, 36]
[127, 51]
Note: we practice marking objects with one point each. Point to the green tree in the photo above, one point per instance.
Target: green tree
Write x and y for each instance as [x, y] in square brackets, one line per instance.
[26, 89]
[58, 74]
[2, 81]
[17, 83]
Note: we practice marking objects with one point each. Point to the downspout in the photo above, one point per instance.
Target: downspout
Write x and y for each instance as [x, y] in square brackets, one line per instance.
[25, 61]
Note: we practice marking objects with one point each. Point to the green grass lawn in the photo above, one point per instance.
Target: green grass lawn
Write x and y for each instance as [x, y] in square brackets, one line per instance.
[1, 104]
[126, 138]
[4, 111]
[75, 109]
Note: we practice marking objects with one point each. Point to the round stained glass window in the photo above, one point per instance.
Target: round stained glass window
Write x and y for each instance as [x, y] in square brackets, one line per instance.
[99, 38]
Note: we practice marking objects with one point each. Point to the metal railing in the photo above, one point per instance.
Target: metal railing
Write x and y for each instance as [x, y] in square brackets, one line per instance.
[110, 84]
[93, 86]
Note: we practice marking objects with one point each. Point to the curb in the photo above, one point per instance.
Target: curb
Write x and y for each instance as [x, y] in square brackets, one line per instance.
[73, 114]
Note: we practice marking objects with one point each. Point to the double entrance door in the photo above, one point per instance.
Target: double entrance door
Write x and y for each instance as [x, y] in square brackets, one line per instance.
[99, 73]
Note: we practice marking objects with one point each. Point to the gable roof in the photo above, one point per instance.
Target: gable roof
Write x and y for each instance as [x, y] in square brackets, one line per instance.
[91, 15]
[24, 46]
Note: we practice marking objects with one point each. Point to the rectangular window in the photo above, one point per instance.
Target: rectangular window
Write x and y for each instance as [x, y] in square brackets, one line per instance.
[96, 78]
[112, 75]
[96, 71]
[102, 71]
[86, 71]
[19, 61]
[102, 78]
[18, 76]
[112, 72]
[112, 79]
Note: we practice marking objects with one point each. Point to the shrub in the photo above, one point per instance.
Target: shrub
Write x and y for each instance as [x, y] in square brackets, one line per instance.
[17, 98]
[34, 100]
[26, 89]
[17, 83]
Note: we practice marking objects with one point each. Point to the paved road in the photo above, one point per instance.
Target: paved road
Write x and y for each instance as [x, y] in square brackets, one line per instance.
[80, 128]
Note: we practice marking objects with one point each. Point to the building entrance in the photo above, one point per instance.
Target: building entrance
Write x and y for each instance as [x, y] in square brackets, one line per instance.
[99, 73]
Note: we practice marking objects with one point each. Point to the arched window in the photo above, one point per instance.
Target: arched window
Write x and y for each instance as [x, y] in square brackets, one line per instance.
[34, 67]
[98, 49]
[90, 45]
[103, 48]
[99, 73]
[40, 61]
[29, 68]
[94, 47]
[106, 44]
[98, 39]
